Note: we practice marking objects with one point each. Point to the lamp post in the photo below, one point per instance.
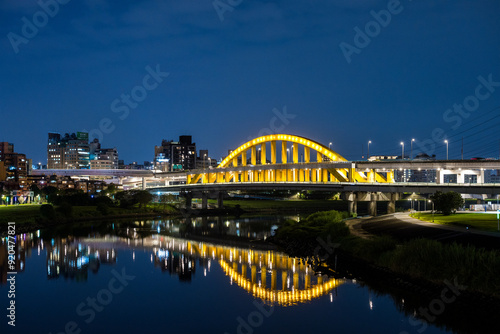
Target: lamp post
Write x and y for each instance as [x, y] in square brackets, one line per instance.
[498, 215]
[259, 156]
[446, 142]
[204, 158]
[411, 148]
[368, 154]
[432, 210]
[402, 150]
[329, 144]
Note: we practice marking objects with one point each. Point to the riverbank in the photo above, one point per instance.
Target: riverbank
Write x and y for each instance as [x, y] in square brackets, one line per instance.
[321, 235]
[28, 217]
[481, 221]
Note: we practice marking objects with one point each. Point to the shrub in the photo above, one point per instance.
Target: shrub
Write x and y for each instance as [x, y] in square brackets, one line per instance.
[103, 209]
[65, 209]
[47, 211]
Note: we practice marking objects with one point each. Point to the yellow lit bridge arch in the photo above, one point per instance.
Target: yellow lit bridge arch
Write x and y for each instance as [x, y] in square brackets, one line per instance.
[328, 165]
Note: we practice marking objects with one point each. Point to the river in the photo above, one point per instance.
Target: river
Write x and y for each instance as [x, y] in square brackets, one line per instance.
[203, 275]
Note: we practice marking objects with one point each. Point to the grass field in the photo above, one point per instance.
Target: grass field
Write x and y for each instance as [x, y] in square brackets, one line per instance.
[294, 205]
[24, 213]
[481, 221]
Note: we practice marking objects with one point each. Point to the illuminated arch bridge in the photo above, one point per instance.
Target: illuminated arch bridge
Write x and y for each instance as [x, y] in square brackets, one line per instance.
[328, 166]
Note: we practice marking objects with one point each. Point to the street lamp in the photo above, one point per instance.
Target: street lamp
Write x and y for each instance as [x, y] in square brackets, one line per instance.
[368, 154]
[446, 141]
[411, 148]
[204, 159]
[402, 150]
[330, 144]
[498, 215]
[259, 156]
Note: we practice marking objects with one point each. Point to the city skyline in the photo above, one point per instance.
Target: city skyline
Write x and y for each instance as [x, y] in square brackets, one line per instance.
[227, 75]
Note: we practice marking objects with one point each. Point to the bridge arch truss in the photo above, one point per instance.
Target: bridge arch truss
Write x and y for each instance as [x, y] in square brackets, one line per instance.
[328, 166]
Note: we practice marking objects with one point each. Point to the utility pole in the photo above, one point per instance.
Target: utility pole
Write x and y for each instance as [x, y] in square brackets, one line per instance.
[462, 148]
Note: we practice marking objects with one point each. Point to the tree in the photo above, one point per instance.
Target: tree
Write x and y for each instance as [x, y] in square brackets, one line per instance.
[166, 198]
[448, 202]
[142, 197]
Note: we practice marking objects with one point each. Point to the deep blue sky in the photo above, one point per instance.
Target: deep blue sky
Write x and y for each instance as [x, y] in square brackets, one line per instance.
[226, 76]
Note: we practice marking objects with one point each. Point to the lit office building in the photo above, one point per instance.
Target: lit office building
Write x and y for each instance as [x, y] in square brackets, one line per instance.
[179, 155]
[68, 152]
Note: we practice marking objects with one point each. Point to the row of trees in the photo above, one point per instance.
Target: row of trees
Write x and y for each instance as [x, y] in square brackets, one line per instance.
[109, 197]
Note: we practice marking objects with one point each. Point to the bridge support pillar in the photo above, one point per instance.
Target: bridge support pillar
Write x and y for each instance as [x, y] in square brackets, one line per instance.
[273, 279]
[439, 177]
[220, 200]
[373, 204]
[263, 277]
[244, 270]
[391, 205]
[204, 201]
[480, 177]
[189, 200]
[143, 183]
[352, 202]
[254, 273]
[284, 280]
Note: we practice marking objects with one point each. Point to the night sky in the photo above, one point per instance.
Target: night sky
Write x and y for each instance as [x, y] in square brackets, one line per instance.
[226, 71]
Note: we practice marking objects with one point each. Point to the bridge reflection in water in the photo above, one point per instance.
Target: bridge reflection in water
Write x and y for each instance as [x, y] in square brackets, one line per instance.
[271, 276]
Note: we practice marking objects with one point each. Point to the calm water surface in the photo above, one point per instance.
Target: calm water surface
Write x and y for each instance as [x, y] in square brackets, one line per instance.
[188, 276]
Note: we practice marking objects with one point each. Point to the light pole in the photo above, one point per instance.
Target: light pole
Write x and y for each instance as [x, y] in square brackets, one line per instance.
[498, 215]
[411, 148]
[446, 141]
[368, 154]
[287, 155]
[204, 158]
[432, 211]
[402, 150]
[330, 144]
[259, 155]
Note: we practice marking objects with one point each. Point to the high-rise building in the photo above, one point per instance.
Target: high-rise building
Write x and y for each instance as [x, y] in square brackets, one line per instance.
[13, 166]
[204, 160]
[102, 158]
[177, 155]
[68, 152]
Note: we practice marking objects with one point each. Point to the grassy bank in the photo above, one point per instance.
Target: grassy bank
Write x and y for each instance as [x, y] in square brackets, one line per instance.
[480, 221]
[286, 205]
[475, 268]
[29, 214]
